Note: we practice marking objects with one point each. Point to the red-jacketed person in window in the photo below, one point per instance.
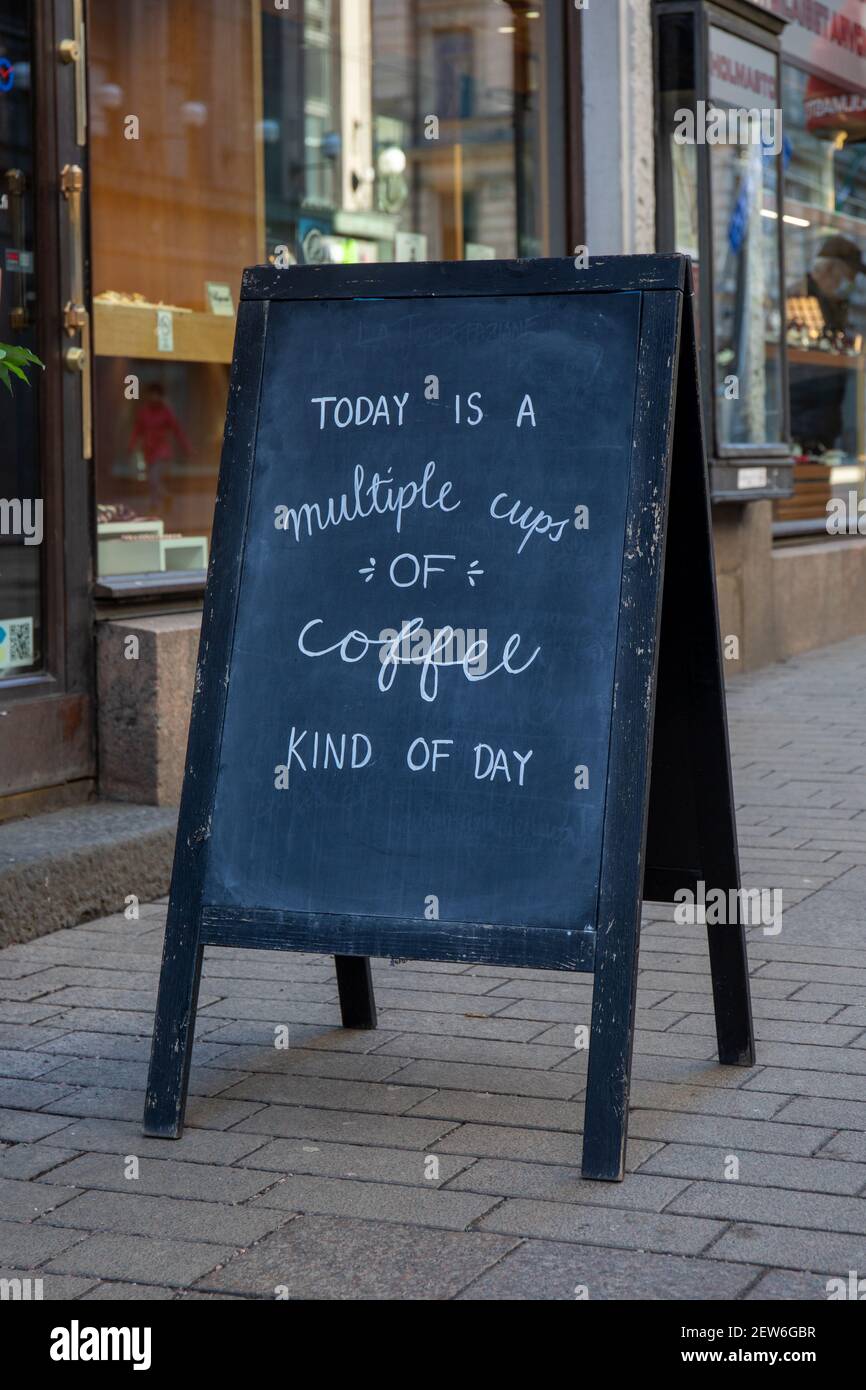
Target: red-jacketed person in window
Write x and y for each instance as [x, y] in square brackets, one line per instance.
[155, 431]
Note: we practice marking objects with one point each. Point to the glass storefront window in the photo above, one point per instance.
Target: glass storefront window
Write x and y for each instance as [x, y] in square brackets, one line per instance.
[825, 240]
[226, 133]
[21, 505]
[747, 310]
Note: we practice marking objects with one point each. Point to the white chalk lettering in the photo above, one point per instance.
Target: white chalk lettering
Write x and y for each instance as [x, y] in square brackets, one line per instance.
[355, 645]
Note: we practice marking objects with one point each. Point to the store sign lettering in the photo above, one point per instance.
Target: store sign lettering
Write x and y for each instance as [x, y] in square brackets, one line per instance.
[827, 35]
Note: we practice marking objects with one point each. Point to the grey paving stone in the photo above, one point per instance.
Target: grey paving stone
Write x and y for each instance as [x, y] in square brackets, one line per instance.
[286, 1156]
[813, 971]
[576, 989]
[689, 1071]
[150, 1259]
[22, 1094]
[849, 1144]
[162, 1177]
[799, 1009]
[502, 1110]
[111, 1021]
[560, 1183]
[106, 1073]
[130, 1214]
[774, 1030]
[542, 1270]
[789, 1284]
[481, 1051]
[106, 1102]
[459, 1025]
[25, 1245]
[810, 1057]
[381, 1098]
[413, 976]
[795, 1248]
[125, 1136]
[321, 1257]
[193, 1296]
[31, 1160]
[344, 1126]
[314, 1061]
[532, 1145]
[272, 1011]
[823, 1110]
[23, 1201]
[787, 1081]
[372, 1201]
[53, 1286]
[774, 1170]
[123, 1047]
[15, 1062]
[264, 965]
[705, 1100]
[607, 1226]
[114, 1292]
[24, 1036]
[563, 1018]
[255, 1033]
[763, 1136]
[63, 976]
[277, 992]
[20, 1126]
[511, 1081]
[682, 982]
[738, 1201]
[103, 996]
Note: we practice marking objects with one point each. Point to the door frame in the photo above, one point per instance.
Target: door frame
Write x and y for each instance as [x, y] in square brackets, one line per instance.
[48, 745]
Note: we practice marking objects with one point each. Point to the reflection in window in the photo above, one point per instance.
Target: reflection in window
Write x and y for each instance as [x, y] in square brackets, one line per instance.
[343, 131]
[22, 520]
[747, 313]
[825, 239]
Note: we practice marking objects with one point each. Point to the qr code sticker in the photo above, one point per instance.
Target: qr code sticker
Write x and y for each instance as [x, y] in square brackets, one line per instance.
[16, 641]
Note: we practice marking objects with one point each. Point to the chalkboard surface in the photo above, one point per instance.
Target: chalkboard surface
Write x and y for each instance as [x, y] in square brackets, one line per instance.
[446, 705]
[416, 782]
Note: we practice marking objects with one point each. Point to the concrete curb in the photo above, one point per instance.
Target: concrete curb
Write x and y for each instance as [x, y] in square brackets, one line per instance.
[70, 866]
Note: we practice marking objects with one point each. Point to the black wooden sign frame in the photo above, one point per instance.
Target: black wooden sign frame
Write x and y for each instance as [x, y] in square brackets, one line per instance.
[669, 812]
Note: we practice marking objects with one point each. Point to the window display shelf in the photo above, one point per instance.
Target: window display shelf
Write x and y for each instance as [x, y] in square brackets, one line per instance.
[138, 549]
[130, 330]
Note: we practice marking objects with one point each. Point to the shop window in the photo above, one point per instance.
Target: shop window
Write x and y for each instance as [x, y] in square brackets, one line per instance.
[22, 521]
[720, 158]
[226, 133]
[747, 310]
[825, 242]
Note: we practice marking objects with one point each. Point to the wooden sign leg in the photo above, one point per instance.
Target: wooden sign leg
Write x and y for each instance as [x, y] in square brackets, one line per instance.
[355, 986]
[173, 1030]
[609, 1074]
[628, 776]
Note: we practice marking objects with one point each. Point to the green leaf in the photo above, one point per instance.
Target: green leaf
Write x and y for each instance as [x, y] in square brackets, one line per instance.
[4, 377]
[13, 367]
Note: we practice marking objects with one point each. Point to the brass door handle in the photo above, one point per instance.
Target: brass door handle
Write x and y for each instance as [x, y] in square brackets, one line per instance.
[76, 319]
[73, 51]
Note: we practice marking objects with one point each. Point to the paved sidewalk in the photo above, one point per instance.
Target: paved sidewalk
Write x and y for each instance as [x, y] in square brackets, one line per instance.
[309, 1173]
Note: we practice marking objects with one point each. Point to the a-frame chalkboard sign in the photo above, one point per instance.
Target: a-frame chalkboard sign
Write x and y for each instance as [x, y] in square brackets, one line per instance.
[459, 693]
